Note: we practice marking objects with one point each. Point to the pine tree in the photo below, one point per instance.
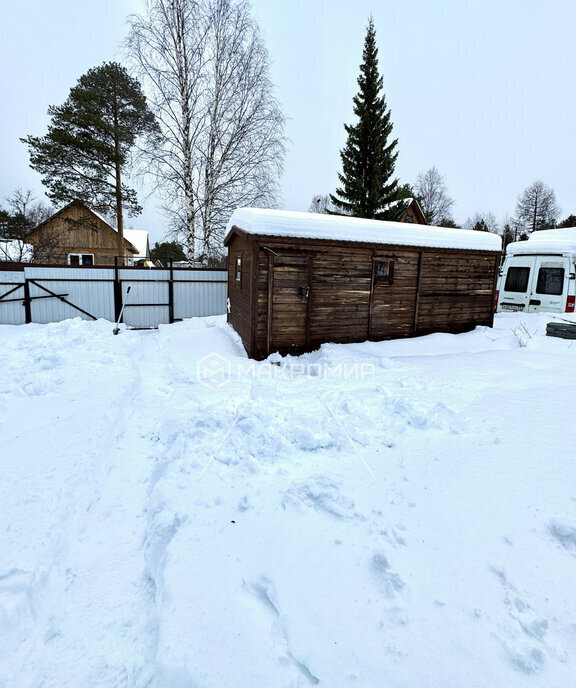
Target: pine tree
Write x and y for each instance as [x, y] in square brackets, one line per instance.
[85, 153]
[167, 251]
[368, 159]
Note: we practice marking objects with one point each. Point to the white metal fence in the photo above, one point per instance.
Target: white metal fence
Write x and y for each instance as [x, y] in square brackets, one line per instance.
[49, 294]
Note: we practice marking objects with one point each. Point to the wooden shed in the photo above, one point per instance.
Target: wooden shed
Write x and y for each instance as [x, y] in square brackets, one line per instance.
[297, 280]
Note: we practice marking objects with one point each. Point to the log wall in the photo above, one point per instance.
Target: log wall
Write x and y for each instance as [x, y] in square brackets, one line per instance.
[240, 292]
[425, 290]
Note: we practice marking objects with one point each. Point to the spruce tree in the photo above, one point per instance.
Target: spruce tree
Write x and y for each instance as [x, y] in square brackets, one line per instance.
[368, 159]
[89, 140]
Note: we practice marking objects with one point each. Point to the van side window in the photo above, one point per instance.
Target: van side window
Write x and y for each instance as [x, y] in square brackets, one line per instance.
[517, 279]
[550, 281]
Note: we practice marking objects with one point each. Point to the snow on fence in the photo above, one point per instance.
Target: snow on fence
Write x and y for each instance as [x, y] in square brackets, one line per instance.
[49, 294]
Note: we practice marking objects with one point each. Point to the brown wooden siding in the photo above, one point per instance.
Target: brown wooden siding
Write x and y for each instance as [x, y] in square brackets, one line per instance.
[75, 229]
[427, 290]
[239, 291]
[394, 301]
[456, 291]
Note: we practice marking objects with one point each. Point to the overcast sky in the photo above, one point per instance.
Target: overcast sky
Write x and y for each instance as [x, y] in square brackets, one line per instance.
[482, 89]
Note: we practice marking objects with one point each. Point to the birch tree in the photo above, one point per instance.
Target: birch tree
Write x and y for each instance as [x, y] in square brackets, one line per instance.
[320, 203]
[483, 222]
[206, 72]
[432, 194]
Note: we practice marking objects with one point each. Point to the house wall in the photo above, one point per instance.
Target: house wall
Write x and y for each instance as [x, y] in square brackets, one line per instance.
[430, 290]
[74, 230]
[414, 215]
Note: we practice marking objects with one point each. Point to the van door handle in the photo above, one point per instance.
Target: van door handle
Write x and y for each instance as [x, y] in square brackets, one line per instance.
[535, 302]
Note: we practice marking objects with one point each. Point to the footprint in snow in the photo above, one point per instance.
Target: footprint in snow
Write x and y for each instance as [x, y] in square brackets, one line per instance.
[321, 493]
[564, 532]
[388, 582]
[524, 635]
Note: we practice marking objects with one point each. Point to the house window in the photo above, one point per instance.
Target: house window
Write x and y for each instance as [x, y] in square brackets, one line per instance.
[80, 259]
[385, 270]
[238, 268]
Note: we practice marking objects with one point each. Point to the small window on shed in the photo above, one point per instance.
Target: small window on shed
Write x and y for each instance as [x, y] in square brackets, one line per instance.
[238, 268]
[385, 270]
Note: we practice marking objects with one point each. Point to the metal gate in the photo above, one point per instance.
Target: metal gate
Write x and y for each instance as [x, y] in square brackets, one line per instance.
[42, 295]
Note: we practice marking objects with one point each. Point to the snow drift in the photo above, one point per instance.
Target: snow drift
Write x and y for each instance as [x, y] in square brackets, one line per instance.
[175, 516]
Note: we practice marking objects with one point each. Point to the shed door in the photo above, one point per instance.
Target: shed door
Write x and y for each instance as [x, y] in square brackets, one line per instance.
[289, 299]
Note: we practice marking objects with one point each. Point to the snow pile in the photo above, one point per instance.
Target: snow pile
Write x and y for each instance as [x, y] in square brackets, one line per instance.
[546, 241]
[396, 514]
[283, 223]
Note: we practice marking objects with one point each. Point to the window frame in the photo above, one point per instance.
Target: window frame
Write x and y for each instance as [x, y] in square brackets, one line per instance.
[81, 257]
[238, 268]
[384, 275]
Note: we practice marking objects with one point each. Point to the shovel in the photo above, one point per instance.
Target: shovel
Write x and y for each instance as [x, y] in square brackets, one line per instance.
[117, 329]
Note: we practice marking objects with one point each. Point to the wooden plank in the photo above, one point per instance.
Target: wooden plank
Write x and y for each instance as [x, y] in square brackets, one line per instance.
[270, 304]
[418, 286]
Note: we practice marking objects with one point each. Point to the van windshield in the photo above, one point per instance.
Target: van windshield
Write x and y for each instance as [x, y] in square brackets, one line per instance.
[550, 281]
[517, 279]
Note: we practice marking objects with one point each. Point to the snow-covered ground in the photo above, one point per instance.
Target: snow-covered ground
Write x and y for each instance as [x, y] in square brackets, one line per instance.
[394, 514]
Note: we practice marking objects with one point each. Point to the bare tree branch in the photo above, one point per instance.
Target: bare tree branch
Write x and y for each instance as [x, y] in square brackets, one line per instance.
[206, 71]
[432, 194]
[537, 208]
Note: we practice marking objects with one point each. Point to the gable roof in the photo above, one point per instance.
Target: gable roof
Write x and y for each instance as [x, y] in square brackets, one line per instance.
[291, 224]
[410, 203]
[127, 243]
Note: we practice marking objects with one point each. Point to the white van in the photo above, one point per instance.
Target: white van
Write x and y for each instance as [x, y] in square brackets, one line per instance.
[539, 274]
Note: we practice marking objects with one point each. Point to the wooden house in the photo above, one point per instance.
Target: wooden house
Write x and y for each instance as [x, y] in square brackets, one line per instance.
[412, 213]
[297, 280]
[76, 235]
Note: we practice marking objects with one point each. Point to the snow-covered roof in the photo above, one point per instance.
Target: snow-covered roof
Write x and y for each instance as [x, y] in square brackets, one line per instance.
[400, 201]
[283, 223]
[546, 241]
[139, 239]
[16, 250]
